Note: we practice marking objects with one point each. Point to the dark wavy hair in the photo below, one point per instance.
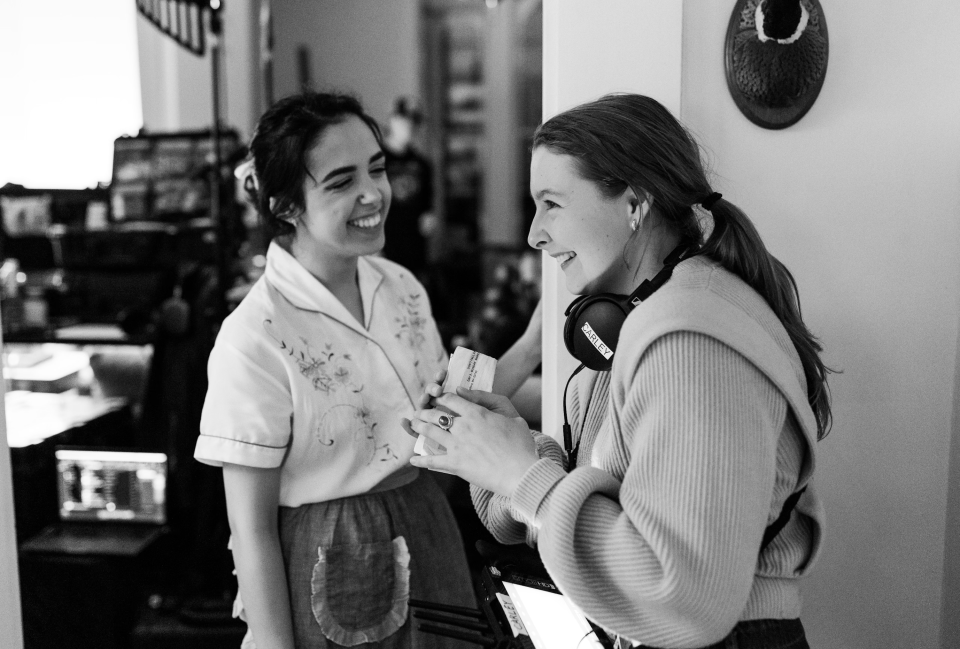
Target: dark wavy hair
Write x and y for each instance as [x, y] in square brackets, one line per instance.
[627, 140]
[283, 137]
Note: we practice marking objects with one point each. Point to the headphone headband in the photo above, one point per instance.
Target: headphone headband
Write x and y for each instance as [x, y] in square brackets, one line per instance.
[649, 286]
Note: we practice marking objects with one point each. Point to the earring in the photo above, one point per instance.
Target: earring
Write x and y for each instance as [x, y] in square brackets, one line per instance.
[637, 221]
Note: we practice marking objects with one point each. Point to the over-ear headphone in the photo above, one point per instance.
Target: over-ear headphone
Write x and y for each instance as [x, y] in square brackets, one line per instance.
[594, 321]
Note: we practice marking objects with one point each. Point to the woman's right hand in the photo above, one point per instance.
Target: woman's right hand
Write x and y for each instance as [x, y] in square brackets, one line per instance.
[492, 402]
[432, 390]
[483, 445]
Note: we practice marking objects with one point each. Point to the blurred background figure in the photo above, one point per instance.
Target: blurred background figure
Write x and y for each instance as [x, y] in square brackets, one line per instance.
[410, 222]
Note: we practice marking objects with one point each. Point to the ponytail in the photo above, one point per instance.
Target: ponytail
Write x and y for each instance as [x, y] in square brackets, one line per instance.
[736, 245]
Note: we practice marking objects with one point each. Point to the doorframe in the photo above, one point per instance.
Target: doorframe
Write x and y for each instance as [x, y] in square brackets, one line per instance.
[11, 622]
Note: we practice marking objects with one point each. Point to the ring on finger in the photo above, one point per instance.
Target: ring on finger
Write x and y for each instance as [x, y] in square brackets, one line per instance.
[446, 421]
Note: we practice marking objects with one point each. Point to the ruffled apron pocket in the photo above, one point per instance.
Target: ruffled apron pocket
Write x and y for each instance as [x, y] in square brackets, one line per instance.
[360, 592]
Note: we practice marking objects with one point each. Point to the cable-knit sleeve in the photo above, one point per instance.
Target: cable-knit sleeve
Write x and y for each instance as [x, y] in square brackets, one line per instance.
[497, 513]
[667, 555]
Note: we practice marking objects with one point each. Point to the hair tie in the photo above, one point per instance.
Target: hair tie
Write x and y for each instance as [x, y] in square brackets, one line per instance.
[711, 200]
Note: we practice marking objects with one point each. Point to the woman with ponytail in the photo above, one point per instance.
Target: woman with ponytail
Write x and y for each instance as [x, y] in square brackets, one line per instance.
[681, 513]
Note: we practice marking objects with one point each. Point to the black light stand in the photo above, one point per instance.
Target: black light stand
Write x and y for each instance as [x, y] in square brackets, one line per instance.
[222, 225]
[203, 512]
[183, 21]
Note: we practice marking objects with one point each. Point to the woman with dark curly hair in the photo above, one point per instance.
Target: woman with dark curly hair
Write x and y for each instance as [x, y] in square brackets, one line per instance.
[333, 531]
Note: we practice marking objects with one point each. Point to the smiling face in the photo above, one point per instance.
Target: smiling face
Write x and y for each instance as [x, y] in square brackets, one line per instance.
[347, 198]
[578, 226]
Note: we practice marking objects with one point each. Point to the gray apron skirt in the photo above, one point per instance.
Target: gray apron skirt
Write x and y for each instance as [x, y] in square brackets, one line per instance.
[353, 564]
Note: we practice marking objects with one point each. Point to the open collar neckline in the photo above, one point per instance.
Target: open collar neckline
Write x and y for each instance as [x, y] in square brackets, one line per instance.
[305, 291]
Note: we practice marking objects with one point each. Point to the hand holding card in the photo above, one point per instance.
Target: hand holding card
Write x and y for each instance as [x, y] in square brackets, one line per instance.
[467, 369]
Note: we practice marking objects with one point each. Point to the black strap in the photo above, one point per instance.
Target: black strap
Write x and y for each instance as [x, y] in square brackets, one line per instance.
[774, 528]
[649, 286]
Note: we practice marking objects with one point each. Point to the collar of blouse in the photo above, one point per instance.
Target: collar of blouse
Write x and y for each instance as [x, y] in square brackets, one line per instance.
[306, 292]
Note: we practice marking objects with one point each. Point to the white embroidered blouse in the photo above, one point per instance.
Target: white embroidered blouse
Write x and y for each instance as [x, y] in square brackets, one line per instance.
[296, 382]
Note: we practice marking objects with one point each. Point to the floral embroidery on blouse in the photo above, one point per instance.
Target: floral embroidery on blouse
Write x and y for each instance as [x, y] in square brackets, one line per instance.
[357, 422]
[327, 372]
[411, 322]
[412, 329]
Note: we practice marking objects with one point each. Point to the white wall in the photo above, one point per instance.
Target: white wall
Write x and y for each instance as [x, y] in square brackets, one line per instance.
[861, 200]
[368, 47]
[177, 86]
[950, 619]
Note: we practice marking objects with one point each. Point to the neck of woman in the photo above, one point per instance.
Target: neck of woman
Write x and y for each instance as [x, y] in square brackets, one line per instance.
[645, 259]
[336, 272]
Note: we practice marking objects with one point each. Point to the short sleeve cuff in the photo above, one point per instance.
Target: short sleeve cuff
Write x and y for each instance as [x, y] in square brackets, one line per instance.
[216, 451]
[536, 484]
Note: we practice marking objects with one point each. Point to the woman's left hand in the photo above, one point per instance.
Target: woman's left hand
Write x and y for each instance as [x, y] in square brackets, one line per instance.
[484, 448]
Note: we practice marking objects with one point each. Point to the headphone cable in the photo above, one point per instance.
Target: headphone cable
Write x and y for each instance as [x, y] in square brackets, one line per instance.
[567, 433]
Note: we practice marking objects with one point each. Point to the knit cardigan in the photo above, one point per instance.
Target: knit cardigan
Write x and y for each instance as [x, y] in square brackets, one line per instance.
[691, 445]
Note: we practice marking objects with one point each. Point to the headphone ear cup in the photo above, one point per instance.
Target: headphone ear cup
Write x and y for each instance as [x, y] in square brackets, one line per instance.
[592, 329]
[569, 325]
